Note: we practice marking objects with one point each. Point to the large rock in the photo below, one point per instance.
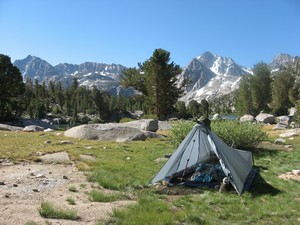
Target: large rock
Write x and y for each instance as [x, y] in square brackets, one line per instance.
[265, 118]
[149, 125]
[247, 118]
[283, 120]
[10, 128]
[99, 132]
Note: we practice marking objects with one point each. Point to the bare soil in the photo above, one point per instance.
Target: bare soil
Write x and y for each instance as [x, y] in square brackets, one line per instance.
[23, 187]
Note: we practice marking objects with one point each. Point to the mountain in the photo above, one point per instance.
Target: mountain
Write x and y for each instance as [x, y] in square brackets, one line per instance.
[104, 76]
[210, 76]
[280, 60]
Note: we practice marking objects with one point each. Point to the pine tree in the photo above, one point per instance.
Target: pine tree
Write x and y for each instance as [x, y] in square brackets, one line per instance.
[261, 88]
[11, 89]
[156, 79]
[243, 97]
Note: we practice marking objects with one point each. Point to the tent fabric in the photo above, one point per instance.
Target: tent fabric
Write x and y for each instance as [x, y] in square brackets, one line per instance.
[200, 145]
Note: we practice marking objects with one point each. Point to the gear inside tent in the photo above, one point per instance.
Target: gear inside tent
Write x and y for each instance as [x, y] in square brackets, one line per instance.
[203, 159]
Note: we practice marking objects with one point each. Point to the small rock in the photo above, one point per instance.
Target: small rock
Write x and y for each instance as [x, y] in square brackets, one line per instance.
[168, 155]
[15, 185]
[2, 183]
[65, 177]
[7, 195]
[296, 172]
[279, 141]
[40, 153]
[40, 176]
[35, 190]
[288, 134]
[66, 142]
[32, 174]
[128, 158]
[48, 130]
[48, 142]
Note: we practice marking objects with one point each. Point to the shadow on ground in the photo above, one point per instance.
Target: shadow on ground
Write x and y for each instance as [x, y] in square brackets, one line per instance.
[261, 187]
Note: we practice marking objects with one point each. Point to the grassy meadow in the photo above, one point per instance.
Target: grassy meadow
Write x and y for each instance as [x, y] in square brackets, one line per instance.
[128, 167]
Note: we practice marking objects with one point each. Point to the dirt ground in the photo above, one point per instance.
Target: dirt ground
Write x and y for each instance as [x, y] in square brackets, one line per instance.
[23, 187]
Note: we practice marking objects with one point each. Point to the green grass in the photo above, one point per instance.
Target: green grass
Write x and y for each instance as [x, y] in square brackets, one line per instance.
[71, 201]
[269, 201]
[99, 196]
[48, 210]
[73, 189]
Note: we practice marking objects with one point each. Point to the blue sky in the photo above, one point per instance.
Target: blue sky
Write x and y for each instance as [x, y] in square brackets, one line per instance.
[128, 31]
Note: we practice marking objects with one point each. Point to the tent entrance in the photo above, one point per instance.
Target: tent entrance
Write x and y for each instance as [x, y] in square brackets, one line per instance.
[208, 173]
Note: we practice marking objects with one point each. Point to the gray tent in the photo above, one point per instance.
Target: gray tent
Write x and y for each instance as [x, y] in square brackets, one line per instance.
[200, 145]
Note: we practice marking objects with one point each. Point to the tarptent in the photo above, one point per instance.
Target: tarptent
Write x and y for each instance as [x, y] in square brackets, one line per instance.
[201, 145]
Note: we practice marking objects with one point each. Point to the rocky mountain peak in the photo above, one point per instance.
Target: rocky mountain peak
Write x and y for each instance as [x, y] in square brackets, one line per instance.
[280, 60]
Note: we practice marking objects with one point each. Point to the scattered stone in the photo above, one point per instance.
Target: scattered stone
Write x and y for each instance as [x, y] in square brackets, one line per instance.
[168, 155]
[289, 176]
[7, 195]
[280, 126]
[65, 177]
[247, 118]
[279, 141]
[35, 190]
[55, 157]
[15, 185]
[88, 147]
[288, 134]
[48, 130]
[48, 142]
[161, 160]
[216, 117]
[149, 125]
[265, 118]
[40, 176]
[32, 174]
[33, 128]
[40, 153]
[10, 128]
[127, 158]
[296, 172]
[2, 183]
[286, 120]
[288, 146]
[66, 142]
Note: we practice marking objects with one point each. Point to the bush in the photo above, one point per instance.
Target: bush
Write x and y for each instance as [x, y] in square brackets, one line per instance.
[233, 133]
[239, 135]
[179, 131]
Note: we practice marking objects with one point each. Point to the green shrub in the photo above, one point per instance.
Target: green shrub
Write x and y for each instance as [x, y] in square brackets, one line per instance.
[239, 135]
[233, 133]
[179, 131]
[47, 210]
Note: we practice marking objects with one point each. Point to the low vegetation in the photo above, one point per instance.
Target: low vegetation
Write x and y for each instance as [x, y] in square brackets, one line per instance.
[128, 167]
[48, 210]
[100, 196]
[234, 133]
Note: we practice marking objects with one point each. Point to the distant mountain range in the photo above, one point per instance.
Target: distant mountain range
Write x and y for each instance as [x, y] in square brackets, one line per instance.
[210, 76]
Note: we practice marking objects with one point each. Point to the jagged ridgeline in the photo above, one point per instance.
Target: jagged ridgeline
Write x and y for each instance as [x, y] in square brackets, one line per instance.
[209, 76]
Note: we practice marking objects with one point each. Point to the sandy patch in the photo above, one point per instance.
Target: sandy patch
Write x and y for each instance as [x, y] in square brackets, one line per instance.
[24, 186]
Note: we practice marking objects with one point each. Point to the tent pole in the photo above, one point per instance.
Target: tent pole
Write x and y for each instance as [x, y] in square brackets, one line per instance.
[187, 161]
